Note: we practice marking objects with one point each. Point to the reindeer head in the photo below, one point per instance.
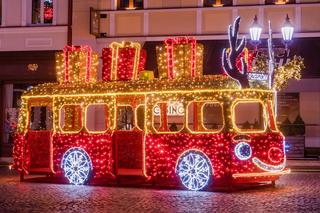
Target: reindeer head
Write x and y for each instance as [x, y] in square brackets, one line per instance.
[229, 59]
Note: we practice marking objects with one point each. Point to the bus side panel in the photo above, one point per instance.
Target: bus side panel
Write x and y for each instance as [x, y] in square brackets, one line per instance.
[163, 151]
[98, 147]
[40, 150]
[21, 154]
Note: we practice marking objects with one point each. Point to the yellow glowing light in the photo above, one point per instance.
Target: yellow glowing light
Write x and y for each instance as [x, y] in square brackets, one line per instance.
[261, 174]
[181, 60]
[281, 2]
[218, 3]
[67, 116]
[131, 5]
[77, 65]
[268, 167]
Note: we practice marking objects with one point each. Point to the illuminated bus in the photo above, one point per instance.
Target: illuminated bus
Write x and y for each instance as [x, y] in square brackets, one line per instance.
[193, 132]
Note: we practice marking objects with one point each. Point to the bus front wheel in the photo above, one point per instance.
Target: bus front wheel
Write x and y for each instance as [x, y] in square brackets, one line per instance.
[194, 170]
[76, 165]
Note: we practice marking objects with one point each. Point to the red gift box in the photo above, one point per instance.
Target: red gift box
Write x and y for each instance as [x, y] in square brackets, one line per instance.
[122, 61]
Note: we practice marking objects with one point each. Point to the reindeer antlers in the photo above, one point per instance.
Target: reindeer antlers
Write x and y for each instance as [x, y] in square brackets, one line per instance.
[229, 59]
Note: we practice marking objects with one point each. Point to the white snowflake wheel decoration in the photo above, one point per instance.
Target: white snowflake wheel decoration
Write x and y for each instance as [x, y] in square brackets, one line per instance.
[76, 165]
[194, 170]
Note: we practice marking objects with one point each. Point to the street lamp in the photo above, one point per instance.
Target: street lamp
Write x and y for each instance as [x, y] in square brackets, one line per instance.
[255, 31]
[287, 31]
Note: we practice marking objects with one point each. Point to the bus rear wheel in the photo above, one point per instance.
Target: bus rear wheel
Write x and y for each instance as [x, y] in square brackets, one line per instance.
[76, 165]
[194, 170]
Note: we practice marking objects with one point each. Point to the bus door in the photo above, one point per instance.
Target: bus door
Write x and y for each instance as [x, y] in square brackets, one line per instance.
[39, 135]
[128, 139]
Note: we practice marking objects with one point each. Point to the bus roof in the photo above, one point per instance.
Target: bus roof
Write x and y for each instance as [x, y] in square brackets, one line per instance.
[205, 83]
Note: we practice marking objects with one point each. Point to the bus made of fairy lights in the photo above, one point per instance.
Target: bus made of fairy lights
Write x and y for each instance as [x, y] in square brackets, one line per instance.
[84, 132]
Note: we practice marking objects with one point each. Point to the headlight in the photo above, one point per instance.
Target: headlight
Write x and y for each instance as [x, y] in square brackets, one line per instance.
[243, 151]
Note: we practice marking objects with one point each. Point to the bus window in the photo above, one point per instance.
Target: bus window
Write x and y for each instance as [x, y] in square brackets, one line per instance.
[248, 116]
[125, 118]
[212, 116]
[175, 113]
[140, 116]
[40, 118]
[97, 118]
[174, 117]
[71, 118]
[205, 116]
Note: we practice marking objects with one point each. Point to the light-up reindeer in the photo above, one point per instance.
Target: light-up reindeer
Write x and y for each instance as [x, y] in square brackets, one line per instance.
[229, 57]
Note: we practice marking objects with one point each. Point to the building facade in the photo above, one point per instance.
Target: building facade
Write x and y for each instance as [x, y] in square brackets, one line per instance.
[99, 22]
[31, 32]
[152, 21]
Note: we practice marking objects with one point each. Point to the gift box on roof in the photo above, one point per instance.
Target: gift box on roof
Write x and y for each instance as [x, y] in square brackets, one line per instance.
[123, 61]
[180, 57]
[76, 64]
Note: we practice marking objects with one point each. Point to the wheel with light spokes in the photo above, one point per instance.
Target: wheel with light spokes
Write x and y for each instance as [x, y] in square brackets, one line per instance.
[194, 170]
[76, 165]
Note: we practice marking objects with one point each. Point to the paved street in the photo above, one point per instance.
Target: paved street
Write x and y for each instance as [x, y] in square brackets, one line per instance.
[297, 192]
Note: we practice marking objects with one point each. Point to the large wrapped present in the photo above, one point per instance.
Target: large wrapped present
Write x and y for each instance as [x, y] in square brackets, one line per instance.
[180, 57]
[123, 61]
[76, 64]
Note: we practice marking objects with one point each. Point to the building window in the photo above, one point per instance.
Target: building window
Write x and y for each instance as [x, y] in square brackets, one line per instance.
[280, 1]
[217, 3]
[42, 11]
[130, 4]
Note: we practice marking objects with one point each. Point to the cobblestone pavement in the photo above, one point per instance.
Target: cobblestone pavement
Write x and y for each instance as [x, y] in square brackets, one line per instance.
[296, 192]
